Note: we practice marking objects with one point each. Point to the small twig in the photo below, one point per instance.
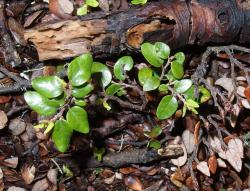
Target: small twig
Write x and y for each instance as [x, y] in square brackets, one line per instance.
[57, 165]
[30, 149]
[132, 143]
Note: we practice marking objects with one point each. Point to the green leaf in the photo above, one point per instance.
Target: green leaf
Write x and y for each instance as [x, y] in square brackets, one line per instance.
[151, 83]
[60, 100]
[83, 10]
[61, 135]
[183, 85]
[189, 94]
[104, 70]
[156, 131]
[113, 89]
[106, 105]
[191, 103]
[167, 107]
[163, 88]
[206, 95]
[144, 74]
[149, 52]
[170, 76]
[79, 70]
[48, 86]
[180, 57]
[98, 153]
[80, 103]
[177, 69]
[82, 91]
[154, 144]
[67, 171]
[124, 64]
[39, 103]
[184, 110]
[49, 127]
[162, 50]
[92, 3]
[78, 119]
[137, 2]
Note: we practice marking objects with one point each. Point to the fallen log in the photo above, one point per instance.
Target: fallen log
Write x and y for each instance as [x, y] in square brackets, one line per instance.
[177, 23]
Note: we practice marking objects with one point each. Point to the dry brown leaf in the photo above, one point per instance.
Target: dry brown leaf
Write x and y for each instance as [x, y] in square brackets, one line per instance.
[11, 162]
[212, 164]
[189, 183]
[188, 140]
[109, 180]
[14, 188]
[4, 99]
[133, 183]
[196, 132]
[61, 8]
[203, 167]
[17, 126]
[3, 119]
[28, 173]
[52, 175]
[32, 18]
[1, 174]
[41, 185]
[234, 115]
[176, 182]
[181, 160]
[226, 83]
[216, 145]
[247, 93]
[127, 170]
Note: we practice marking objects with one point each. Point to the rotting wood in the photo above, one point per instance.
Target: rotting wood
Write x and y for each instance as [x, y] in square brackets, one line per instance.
[177, 23]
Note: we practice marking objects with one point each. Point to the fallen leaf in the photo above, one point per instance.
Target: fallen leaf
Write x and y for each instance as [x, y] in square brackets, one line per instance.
[104, 5]
[245, 103]
[234, 115]
[188, 141]
[28, 173]
[221, 163]
[14, 188]
[216, 145]
[3, 119]
[4, 99]
[176, 182]
[247, 93]
[212, 164]
[41, 185]
[17, 126]
[1, 174]
[203, 167]
[240, 91]
[189, 183]
[133, 183]
[181, 160]
[11, 162]
[226, 83]
[52, 175]
[127, 170]
[32, 18]
[196, 132]
[61, 8]
[109, 180]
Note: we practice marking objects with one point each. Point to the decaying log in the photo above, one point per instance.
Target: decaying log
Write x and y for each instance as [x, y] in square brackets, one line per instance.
[178, 23]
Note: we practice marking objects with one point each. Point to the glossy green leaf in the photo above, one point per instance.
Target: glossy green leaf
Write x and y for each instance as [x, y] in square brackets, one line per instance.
[151, 83]
[154, 144]
[189, 94]
[98, 153]
[48, 86]
[59, 101]
[92, 3]
[80, 103]
[162, 50]
[77, 119]
[39, 103]
[180, 57]
[155, 132]
[144, 74]
[184, 110]
[106, 78]
[149, 52]
[182, 85]
[122, 65]
[167, 107]
[113, 89]
[82, 91]
[205, 94]
[139, 2]
[79, 70]
[177, 69]
[192, 103]
[61, 135]
[49, 127]
[163, 88]
[170, 76]
[83, 10]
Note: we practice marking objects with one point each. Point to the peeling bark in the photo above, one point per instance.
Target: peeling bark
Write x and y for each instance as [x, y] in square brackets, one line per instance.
[178, 23]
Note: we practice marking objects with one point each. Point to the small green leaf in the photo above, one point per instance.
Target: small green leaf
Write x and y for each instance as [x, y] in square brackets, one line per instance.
[137, 2]
[60, 100]
[92, 3]
[205, 94]
[106, 105]
[61, 135]
[49, 127]
[113, 89]
[151, 83]
[124, 64]
[39, 103]
[177, 69]
[163, 88]
[144, 74]
[154, 144]
[162, 50]
[167, 107]
[79, 70]
[67, 171]
[184, 110]
[104, 70]
[180, 57]
[48, 86]
[156, 131]
[149, 52]
[191, 103]
[77, 119]
[98, 153]
[183, 85]
[80, 103]
[82, 91]
[170, 76]
[39, 126]
[189, 94]
[83, 10]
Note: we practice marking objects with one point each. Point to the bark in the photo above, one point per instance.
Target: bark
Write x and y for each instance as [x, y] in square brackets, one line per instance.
[177, 23]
